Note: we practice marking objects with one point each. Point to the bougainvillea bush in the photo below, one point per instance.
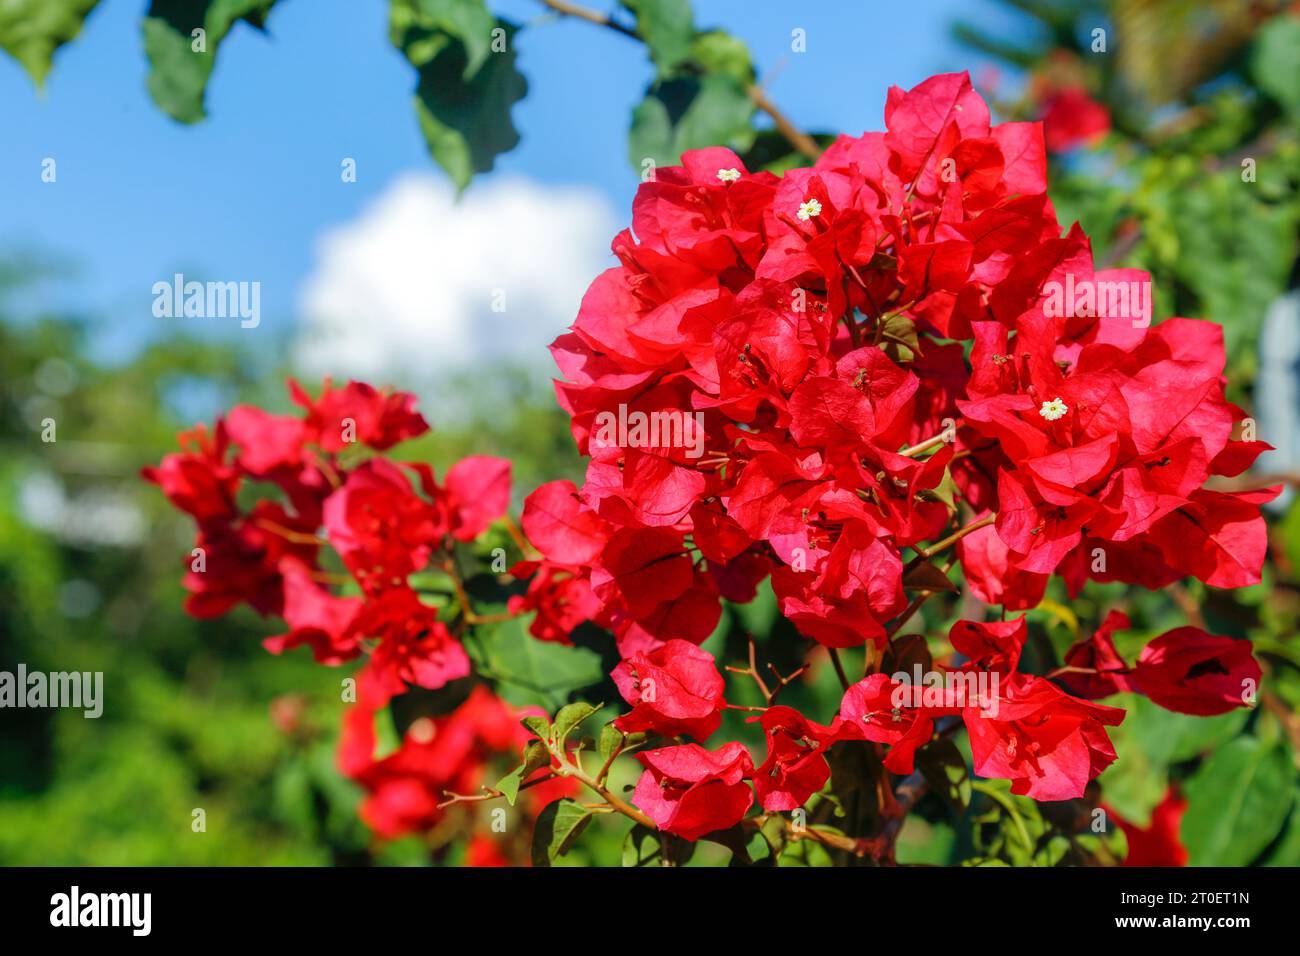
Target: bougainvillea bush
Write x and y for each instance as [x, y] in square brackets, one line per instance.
[887, 379]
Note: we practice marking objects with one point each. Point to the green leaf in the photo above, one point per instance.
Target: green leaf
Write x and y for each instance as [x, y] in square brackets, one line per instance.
[945, 492]
[529, 672]
[690, 113]
[668, 29]
[1148, 741]
[539, 726]
[1287, 850]
[569, 718]
[180, 62]
[611, 739]
[640, 846]
[468, 81]
[719, 52]
[420, 28]
[31, 30]
[558, 826]
[943, 766]
[536, 756]
[1237, 802]
[1274, 58]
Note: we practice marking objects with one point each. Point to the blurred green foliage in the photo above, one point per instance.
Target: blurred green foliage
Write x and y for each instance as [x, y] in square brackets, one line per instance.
[196, 714]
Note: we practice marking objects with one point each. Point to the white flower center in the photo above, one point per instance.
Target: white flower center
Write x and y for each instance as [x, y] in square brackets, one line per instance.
[1053, 410]
[809, 209]
[728, 175]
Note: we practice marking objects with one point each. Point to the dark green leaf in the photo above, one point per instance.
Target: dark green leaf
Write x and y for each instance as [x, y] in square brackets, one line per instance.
[421, 28]
[1287, 850]
[640, 846]
[690, 113]
[1237, 802]
[529, 672]
[179, 62]
[668, 29]
[944, 768]
[468, 81]
[558, 826]
[927, 577]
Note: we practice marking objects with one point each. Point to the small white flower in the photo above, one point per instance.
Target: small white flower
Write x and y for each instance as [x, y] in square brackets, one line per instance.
[728, 175]
[1053, 410]
[809, 209]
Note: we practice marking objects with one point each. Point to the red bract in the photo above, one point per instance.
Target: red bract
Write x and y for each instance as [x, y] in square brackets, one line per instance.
[1047, 743]
[690, 791]
[450, 752]
[358, 413]
[199, 481]
[1071, 118]
[796, 766]
[380, 527]
[1193, 672]
[1097, 653]
[675, 689]
[871, 710]
[384, 522]
[558, 598]
[802, 349]
[1158, 843]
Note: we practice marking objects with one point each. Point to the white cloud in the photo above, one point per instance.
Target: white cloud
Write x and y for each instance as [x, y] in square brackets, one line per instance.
[408, 288]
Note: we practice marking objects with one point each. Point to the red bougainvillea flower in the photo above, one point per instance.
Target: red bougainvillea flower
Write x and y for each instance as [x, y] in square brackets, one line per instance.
[1097, 653]
[384, 521]
[240, 561]
[1192, 672]
[690, 791]
[796, 766]
[437, 754]
[198, 480]
[815, 384]
[993, 647]
[875, 709]
[316, 618]
[1073, 118]
[674, 689]
[358, 412]
[559, 597]
[793, 323]
[415, 648]
[1047, 743]
[1157, 844]
[380, 527]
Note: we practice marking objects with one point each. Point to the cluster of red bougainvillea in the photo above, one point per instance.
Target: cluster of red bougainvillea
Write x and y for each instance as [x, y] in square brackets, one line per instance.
[865, 366]
[383, 522]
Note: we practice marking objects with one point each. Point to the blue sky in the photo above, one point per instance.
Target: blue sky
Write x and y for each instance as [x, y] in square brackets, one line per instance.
[246, 193]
